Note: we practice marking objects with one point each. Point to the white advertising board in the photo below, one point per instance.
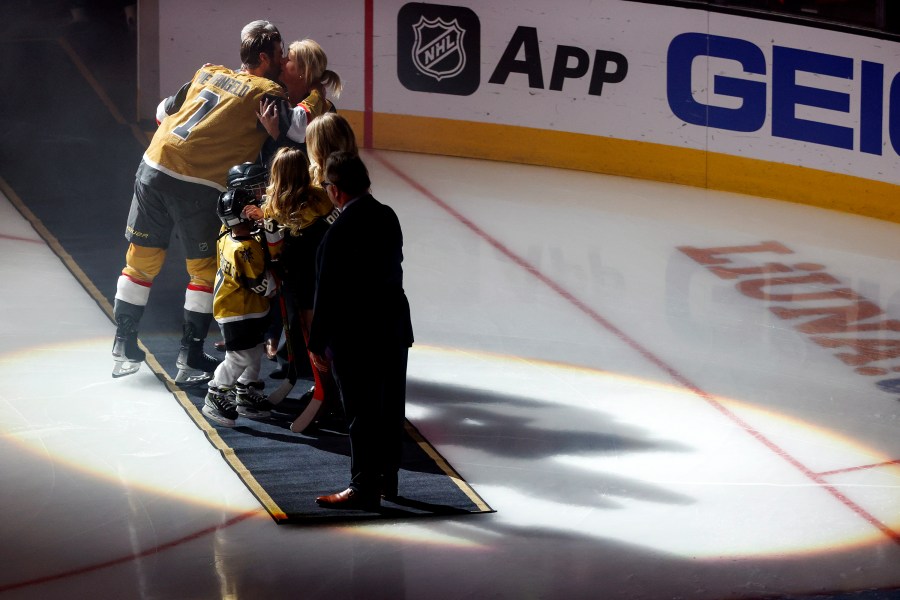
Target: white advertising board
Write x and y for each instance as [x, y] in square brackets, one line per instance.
[674, 77]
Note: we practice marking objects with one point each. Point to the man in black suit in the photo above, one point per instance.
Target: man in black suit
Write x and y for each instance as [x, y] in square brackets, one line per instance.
[361, 323]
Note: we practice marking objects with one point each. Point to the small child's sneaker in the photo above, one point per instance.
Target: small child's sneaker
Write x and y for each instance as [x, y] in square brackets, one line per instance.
[250, 401]
[219, 406]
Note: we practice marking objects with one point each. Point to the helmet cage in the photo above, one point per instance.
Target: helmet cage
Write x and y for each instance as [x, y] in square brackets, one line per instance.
[248, 176]
[258, 189]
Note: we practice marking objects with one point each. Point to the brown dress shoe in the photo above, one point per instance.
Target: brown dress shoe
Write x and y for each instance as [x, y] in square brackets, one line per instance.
[351, 499]
[220, 345]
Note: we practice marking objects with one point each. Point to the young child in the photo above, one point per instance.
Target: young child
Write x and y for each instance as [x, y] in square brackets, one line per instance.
[243, 287]
[252, 177]
[303, 213]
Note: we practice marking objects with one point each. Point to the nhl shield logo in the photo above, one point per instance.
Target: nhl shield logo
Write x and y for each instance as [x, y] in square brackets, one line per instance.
[438, 50]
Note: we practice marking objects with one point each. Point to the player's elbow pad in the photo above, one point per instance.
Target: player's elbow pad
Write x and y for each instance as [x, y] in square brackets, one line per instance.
[161, 112]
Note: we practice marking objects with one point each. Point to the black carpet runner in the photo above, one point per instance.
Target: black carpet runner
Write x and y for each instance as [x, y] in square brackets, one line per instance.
[68, 154]
[286, 470]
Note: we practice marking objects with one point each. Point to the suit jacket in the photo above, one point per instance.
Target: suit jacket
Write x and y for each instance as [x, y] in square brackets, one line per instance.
[360, 304]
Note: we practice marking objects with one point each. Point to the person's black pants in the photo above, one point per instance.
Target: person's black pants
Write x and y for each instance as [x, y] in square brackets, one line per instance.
[372, 382]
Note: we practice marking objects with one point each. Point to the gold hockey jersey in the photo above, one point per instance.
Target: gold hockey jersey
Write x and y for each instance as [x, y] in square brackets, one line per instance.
[241, 281]
[213, 126]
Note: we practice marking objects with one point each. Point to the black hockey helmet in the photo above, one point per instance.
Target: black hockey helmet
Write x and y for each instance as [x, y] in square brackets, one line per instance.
[247, 176]
[231, 204]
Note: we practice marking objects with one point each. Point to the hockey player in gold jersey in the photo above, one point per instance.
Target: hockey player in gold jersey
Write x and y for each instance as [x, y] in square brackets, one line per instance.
[205, 128]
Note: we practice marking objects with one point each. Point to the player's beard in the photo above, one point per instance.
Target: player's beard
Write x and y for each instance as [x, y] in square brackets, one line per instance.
[274, 72]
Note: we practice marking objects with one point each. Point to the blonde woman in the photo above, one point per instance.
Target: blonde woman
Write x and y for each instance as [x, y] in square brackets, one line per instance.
[306, 76]
[329, 133]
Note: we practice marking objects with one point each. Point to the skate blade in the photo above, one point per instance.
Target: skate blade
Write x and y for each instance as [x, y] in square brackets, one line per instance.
[253, 414]
[191, 376]
[216, 418]
[125, 367]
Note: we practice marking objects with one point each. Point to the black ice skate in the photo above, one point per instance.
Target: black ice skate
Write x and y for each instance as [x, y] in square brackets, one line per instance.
[125, 351]
[194, 365]
[218, 406]
[250, 401]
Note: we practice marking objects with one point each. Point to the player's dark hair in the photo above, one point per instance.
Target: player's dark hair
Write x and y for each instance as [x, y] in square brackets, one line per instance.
[258, 37]
[347, 171]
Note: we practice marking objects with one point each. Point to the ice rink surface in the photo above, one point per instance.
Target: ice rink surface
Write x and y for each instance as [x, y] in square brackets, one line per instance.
[664, 392]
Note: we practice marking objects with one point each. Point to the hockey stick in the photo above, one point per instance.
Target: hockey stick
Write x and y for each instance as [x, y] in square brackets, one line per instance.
[316, 402]
[291, 377]
[312, 409]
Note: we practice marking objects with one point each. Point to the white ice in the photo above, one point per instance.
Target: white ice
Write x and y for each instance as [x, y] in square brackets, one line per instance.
[643, 427]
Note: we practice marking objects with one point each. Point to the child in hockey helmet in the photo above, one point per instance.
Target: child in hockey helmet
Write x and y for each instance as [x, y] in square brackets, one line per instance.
[243, 287]
[253, 178]
[232, 209]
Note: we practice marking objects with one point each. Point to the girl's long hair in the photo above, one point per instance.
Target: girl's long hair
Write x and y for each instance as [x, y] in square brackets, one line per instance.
[288, 187]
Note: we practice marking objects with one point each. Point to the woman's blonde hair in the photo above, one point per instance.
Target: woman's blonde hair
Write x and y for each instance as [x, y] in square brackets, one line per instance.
[326, 134]
[310, 54]
[288, 187]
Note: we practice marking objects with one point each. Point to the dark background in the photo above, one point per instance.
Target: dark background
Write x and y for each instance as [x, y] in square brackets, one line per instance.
[71, 159]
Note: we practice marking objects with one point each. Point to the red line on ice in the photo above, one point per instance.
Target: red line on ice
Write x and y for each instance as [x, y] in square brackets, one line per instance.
[647, 354]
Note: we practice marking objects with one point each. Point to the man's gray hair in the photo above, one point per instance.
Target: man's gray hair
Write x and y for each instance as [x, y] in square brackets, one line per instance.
[257, 28]
[258, 37]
